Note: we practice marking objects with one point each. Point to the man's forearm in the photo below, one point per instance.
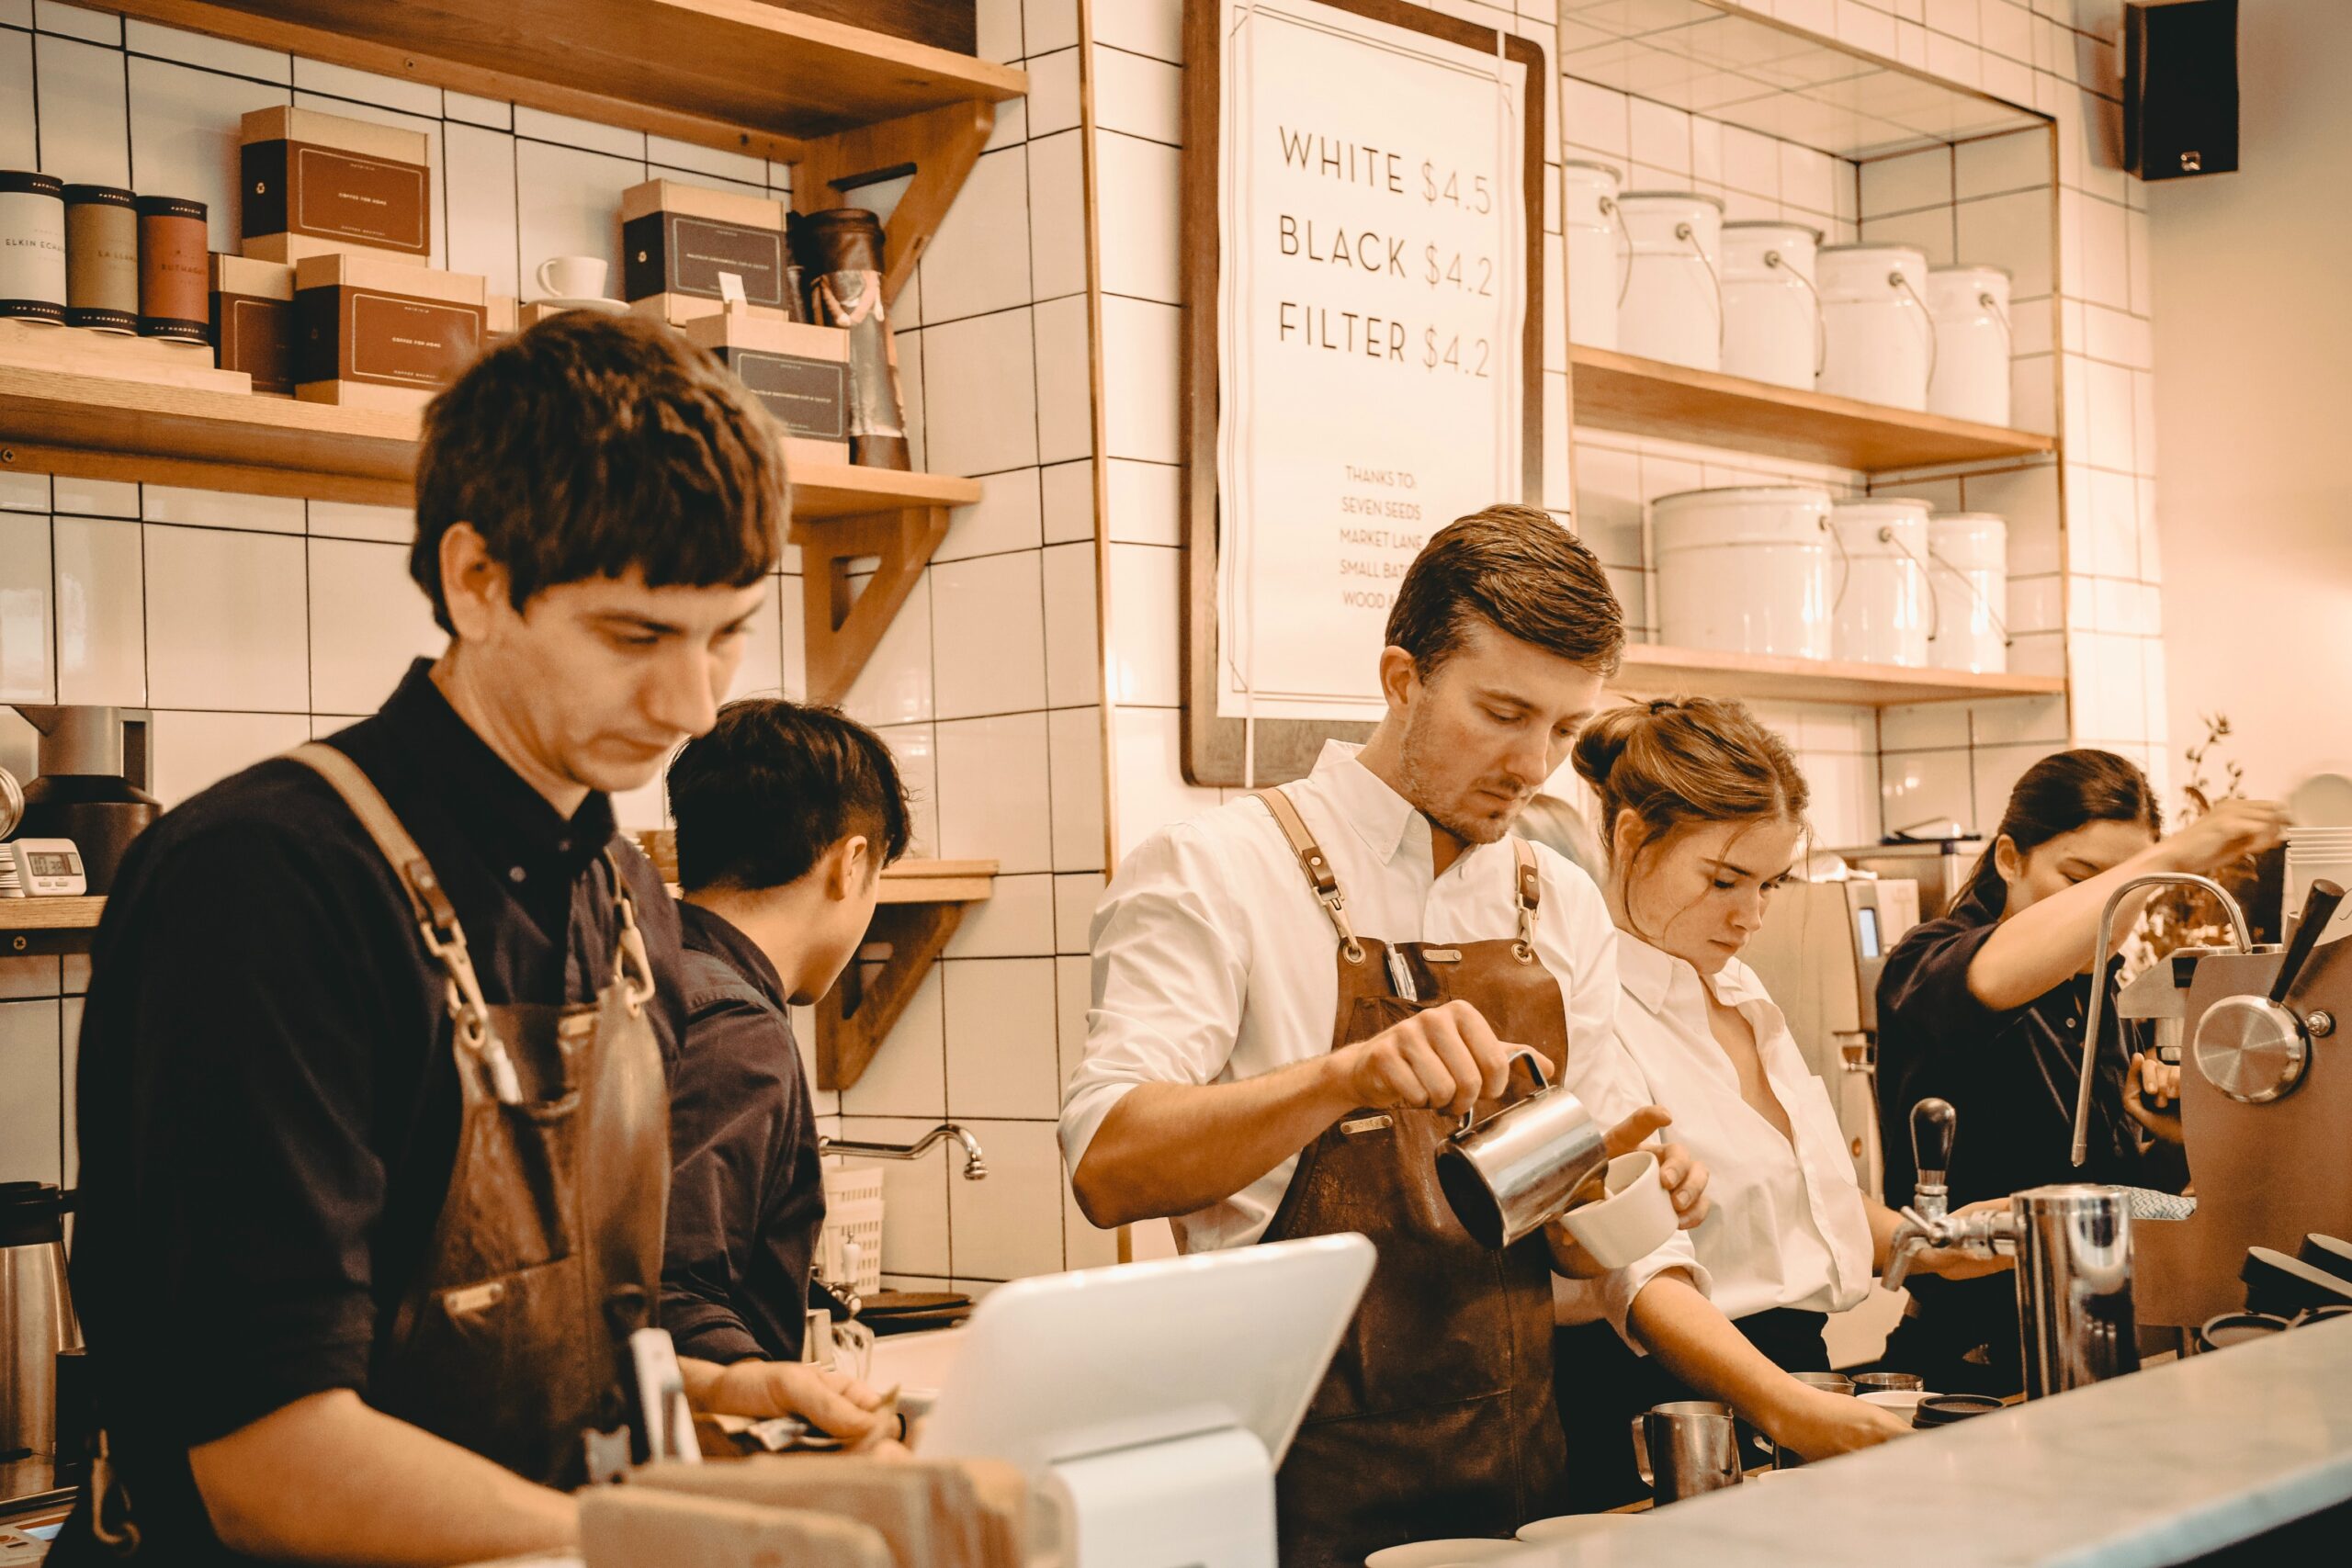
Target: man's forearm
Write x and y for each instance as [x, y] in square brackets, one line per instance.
[328, 1480]
[1168, 1149]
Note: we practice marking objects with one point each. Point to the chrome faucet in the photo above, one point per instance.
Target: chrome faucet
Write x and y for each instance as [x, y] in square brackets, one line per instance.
[2072, 1243]
[2099, 979]
[976, 1168]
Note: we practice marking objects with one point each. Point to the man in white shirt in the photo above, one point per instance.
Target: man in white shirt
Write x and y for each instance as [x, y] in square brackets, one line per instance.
[1295, 993]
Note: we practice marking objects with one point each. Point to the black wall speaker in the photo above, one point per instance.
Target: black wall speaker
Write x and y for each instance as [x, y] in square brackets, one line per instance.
[2180, 88]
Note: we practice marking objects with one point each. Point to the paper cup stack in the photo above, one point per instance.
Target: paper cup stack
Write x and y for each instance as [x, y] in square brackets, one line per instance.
[2315, 854]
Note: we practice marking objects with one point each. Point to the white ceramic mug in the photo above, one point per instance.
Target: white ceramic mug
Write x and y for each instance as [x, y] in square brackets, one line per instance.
[1634, 1219]
[573, 278]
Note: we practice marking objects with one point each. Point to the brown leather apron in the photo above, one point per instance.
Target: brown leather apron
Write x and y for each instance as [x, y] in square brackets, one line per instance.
[548, 1252]
[1437, 1416]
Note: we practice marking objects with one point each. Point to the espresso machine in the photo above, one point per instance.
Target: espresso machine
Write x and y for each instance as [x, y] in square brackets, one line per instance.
[2265, 1098]
[2266, 1111]
[1820, 955]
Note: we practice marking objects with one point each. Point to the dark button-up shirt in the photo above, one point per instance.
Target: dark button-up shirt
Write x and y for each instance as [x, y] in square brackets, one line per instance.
[747, 1197]
[2012, 1075]
[267, 1103]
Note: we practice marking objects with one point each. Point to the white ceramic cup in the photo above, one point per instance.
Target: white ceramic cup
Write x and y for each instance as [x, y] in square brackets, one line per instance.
[1572, 1527]
[1438, 1553]
[1635, 1218]
[573, 278]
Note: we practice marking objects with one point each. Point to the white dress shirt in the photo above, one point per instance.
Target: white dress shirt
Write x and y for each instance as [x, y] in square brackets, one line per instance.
[1788, 1227]
[1213, 962]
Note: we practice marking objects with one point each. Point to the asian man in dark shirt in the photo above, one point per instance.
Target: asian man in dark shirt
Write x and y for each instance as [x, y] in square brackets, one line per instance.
[786, 816]
[372, 1075]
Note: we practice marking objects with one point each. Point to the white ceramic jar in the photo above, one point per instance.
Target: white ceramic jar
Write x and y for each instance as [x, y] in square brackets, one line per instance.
[1883, 611]
[1771, 316]
[1672, 307]
[1968, 572]
[1969, 306]
[1878, 344]
[1745, 569]
[1597, 252]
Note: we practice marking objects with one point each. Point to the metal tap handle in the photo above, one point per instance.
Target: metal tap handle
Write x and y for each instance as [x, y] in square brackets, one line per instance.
[1934, 1124]
[2319, 909]
[1535, 1065]
[2100, 954]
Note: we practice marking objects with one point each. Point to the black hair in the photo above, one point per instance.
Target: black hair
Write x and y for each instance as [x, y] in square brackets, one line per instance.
[593, 444]
[2058, 794]
[773, 786]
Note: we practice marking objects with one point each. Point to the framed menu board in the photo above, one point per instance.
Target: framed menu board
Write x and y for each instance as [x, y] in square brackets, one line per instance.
[1363, 290]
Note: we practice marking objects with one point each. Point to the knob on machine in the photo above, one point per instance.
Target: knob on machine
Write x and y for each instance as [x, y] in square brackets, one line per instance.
[2256, 1049]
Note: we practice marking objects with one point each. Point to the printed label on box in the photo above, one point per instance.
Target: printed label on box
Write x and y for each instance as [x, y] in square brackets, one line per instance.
[701, 252]
[398, 342]
[809, 397]
[338, 196]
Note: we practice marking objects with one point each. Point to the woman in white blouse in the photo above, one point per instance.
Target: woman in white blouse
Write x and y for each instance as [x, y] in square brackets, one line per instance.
[1703, 817]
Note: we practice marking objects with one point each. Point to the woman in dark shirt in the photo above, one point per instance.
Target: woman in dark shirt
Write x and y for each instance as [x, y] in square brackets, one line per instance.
[1984, 1008]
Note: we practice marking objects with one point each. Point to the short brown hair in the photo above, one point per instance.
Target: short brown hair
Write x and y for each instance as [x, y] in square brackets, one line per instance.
[1676, 762]
[1519, 570]
[591, 445]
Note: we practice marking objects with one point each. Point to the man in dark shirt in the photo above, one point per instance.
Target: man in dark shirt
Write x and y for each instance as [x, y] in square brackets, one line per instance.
[786, 816]
[294, 1014]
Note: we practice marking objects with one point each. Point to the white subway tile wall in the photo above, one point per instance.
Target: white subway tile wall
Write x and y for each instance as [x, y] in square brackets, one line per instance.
[252, 622]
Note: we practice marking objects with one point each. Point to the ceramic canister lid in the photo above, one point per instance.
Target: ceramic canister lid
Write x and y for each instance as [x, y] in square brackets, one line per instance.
[1714, 202]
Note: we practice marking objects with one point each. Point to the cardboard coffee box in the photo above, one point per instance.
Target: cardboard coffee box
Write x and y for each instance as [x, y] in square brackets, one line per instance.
[253, 321]
[382, 333]
[315, 184]
[800, 373]
[682, 240]
[502, 318]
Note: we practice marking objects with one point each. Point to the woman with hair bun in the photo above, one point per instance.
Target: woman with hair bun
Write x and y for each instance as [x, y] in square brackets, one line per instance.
[1702, 816]
[1984, 1008]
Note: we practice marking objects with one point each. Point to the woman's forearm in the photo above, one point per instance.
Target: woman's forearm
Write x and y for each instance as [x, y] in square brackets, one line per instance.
[2047, 942]
[1691, 1338]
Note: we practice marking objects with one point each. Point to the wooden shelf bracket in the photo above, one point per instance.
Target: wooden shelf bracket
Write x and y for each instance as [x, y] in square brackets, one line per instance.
[857, 1014]
[938, 147]
[841, 626]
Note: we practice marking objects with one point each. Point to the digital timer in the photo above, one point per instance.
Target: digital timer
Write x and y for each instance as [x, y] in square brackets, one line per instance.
[42, 868]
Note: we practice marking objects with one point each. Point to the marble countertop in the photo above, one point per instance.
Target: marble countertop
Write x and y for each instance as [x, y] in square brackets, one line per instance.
[2141, 1472]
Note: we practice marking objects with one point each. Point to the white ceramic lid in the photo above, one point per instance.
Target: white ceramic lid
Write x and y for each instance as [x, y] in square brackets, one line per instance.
[1714, 202]
[1611, 170]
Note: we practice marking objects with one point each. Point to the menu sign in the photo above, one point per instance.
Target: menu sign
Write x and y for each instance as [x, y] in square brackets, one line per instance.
[1371, 304]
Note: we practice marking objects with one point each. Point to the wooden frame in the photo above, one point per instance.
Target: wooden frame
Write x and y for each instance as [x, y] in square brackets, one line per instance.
[1285, 749]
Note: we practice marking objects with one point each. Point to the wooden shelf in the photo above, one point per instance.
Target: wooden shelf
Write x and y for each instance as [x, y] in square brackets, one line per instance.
[97, 427]
[1652, 670]
[31, 928]
[740, 75]
[938, 881]
[1648, 397]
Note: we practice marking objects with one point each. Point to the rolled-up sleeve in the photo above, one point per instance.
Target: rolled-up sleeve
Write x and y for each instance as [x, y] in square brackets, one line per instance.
[1171, 972]
[1603, 1076]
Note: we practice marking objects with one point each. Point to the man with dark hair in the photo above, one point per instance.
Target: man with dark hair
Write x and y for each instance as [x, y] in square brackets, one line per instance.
[787, 815]
[371, 1086]
[1295, 994]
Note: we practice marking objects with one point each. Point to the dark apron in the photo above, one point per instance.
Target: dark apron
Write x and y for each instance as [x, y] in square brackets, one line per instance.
[547, 1254]
[1437, 1416]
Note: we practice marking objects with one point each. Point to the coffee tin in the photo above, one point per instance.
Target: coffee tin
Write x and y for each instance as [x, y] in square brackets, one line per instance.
[32, 247]
[101, 258]
[174, 288]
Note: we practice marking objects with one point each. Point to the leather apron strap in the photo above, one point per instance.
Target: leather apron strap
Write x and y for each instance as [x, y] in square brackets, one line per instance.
[1527, 887]
[437, 917]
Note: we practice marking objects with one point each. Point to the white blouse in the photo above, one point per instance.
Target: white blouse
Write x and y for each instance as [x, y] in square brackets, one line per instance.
[1789, 1226]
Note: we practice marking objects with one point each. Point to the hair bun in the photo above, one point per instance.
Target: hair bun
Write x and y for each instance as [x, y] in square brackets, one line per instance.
[1603, 740]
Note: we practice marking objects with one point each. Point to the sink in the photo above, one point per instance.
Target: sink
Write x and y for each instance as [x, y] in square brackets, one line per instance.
[915, 1361]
